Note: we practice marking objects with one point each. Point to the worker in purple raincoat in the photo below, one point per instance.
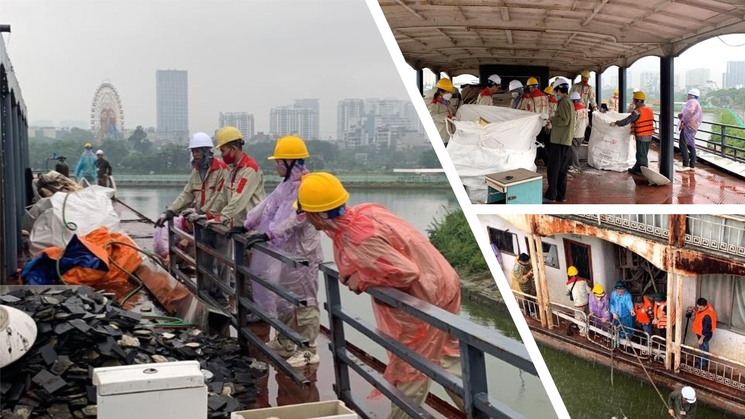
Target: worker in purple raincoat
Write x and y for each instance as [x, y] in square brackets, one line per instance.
[599, 308]
[690, 120]
[274, 220]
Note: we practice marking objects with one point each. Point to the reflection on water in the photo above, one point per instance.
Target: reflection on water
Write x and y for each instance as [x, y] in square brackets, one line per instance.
[520, 391]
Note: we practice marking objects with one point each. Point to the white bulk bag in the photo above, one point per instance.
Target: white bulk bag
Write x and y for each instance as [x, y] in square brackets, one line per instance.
[89, 209]
[611, 148]
[507, 142]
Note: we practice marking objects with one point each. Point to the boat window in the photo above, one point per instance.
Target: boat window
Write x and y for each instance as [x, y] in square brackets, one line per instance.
[550, 255]
[504, 240]
[726, 293]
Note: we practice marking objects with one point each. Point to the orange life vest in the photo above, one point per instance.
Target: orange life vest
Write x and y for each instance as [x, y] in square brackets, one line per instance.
[642, 313]
[645, 124]
[698, 321]
[662, 318]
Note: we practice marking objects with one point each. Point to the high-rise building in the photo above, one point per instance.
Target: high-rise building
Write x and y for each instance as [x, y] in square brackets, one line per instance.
[349, 113]
[735, 75]
[241, 120]
[697, 77]
[172, 102]
[286, 120]
[316, 106]
[649, 82]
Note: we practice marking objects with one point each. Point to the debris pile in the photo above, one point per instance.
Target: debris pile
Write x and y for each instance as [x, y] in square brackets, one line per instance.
[79, 330]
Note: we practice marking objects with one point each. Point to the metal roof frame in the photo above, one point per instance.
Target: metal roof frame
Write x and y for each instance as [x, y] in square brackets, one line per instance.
[567, 36]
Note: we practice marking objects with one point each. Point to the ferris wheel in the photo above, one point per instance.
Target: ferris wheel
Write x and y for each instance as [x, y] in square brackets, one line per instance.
[107, 115]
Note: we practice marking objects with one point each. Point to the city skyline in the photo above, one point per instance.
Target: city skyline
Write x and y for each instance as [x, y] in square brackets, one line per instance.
[219, 79]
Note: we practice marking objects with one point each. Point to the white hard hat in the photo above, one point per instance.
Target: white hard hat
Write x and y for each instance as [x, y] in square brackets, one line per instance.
[559, 81]
[635, 90]
[689, 394]
[99, 152]
[575, 96]
[694, 92]
[494, 79]
[515, 84]
[199, 140]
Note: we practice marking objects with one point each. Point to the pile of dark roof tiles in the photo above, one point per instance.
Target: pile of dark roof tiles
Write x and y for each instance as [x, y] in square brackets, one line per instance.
[79, 330]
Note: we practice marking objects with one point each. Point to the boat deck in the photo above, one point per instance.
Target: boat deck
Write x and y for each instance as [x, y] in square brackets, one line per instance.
[278, 389]
[707, 185]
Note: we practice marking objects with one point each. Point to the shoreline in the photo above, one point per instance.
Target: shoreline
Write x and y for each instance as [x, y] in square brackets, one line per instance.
[272, 185]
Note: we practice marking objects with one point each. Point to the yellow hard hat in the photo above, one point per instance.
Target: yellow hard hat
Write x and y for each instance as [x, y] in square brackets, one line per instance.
[446, 85]
[640, 95]
[598, 290]
[586, 74]
[320, 192]
[548, 90]
[290, 147]
[572, 271]
[87, 145]
[227, 135]
[532, 82]
[615, 92]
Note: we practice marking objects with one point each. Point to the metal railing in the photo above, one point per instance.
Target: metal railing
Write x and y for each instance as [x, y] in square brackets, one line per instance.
[657, 347]
[652, 224]
[714, 233]
[719, 145]
[528, 304]
[561, 312]
[475, 341]
[714, 368]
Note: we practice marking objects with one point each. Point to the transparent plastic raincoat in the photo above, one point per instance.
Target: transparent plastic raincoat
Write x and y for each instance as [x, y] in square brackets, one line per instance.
[385, 251]
[291, 233]
[87, 166]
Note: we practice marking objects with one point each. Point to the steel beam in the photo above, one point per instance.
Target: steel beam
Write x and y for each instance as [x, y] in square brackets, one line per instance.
[622, 89]
[667, 144]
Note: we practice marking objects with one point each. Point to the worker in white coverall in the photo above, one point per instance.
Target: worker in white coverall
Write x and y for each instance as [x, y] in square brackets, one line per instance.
[244, 189]
[275, 221]
[519, 98]
[492, 86]
[375, 248]
[581, 119]
[439, 108]
[200, 196]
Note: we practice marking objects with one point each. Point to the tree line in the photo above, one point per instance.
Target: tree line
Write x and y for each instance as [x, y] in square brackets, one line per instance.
[137, 155]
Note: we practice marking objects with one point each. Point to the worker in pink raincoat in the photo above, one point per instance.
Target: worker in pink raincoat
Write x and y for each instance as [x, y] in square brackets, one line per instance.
[374, 248]
[275, 220]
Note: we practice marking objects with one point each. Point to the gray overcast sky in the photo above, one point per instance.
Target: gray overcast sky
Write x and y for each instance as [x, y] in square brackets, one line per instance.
[241, 56]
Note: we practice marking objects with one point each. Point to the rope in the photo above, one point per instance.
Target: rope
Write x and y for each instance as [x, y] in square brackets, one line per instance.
[643, 367]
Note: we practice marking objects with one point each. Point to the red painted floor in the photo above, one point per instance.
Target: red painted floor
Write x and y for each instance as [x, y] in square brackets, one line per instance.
[704, 186]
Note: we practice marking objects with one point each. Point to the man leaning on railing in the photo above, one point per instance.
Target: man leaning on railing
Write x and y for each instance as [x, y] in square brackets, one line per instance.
[375, 248]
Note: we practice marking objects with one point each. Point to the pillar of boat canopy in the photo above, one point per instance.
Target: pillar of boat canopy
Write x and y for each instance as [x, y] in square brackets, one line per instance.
[598, 89]
[420, 80]
[438, 75]
[667, 145]
[680, 325]
[622, 89]
[539, 277]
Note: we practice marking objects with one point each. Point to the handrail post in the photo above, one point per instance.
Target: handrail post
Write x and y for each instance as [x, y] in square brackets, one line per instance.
[171, 244]
[338, 341]
[198, 256]
[473, 365]
[240, 286]
[724, 141]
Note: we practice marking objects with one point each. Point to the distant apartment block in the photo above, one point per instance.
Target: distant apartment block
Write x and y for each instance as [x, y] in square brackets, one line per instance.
[349, 113]
[735, 75]
[241, 120]
[172, 102]
[316, 106]
[649, 82]
[697, 77]
[286, 120]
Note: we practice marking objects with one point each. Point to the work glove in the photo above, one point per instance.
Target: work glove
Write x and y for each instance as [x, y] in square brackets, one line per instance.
[613, 124]
[194, 217]
[212, 221]
[235, 230]
[165, 217]
[256, 238]
[185, 213]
